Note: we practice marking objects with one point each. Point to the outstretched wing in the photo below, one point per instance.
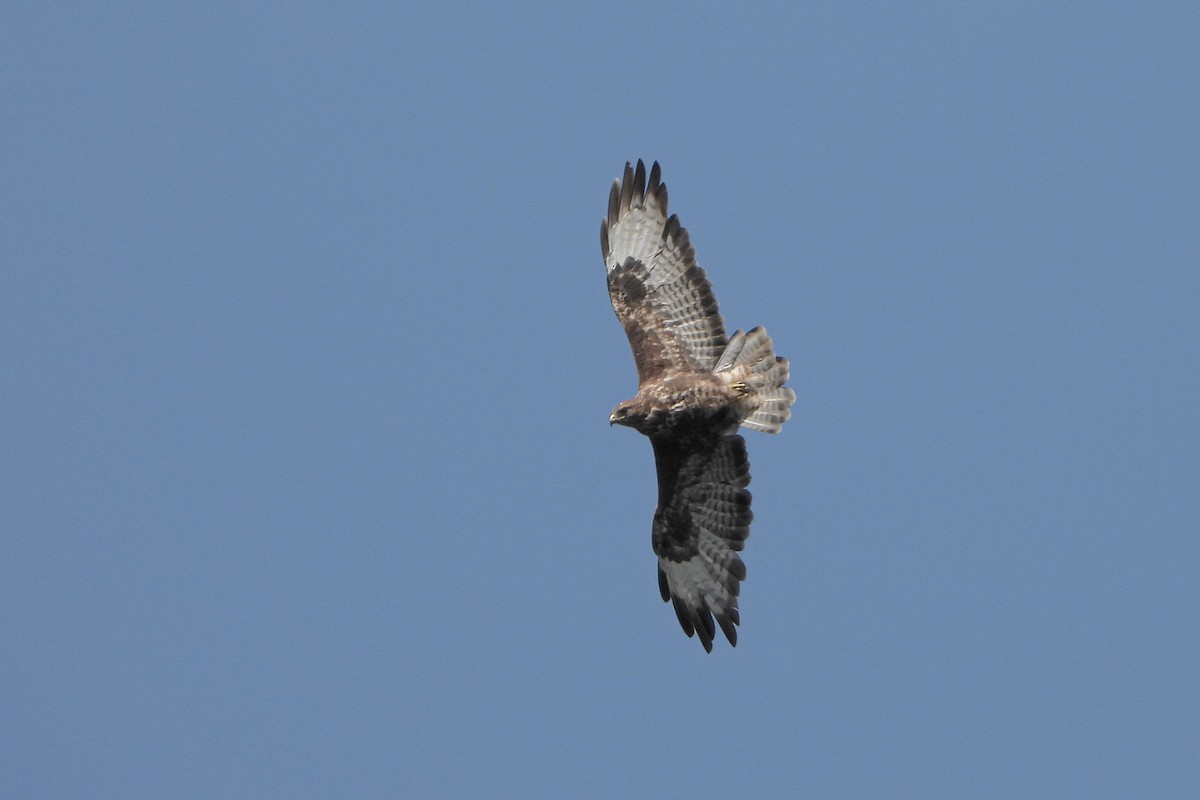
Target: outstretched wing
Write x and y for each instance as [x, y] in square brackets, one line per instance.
[661, 296]
[702, 521]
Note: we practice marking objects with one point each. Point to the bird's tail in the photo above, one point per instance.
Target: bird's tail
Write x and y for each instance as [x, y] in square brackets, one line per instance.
[749, 360]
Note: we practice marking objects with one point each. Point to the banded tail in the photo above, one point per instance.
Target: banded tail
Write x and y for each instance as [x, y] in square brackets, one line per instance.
[749, 358]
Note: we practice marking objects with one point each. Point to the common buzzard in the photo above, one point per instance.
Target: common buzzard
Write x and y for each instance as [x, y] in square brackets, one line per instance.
[696, 387]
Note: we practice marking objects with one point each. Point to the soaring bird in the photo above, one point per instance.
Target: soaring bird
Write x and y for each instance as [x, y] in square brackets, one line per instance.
[696, 388]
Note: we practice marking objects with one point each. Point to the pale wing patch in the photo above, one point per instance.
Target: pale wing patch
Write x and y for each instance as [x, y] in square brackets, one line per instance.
[637, 215]
[637, 238]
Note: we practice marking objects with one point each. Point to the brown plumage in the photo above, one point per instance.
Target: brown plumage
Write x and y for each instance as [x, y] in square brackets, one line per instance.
[695, 388]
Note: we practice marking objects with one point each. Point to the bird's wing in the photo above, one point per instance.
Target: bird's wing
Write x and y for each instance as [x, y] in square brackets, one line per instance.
[661, 296]
[702, 521]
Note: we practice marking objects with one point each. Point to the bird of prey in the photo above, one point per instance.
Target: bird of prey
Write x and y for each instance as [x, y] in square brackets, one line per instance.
[696, 387]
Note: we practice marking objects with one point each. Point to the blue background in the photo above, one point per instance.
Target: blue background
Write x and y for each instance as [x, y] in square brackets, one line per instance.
[308, 484]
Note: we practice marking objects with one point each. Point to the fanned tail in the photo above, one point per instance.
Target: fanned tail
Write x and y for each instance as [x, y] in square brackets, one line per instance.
[750, 359]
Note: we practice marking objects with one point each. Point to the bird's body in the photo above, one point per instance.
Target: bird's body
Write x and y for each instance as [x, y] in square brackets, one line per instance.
[672, 405]
[696, 387]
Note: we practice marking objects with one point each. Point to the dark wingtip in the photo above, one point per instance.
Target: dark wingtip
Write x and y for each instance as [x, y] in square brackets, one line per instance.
[705, 628]
[634, 184]
[728, 629]
[672, 227]
[685, 619]
[624, 192]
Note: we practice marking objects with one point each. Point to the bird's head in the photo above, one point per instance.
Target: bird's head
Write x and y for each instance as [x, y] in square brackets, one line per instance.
[625, 414]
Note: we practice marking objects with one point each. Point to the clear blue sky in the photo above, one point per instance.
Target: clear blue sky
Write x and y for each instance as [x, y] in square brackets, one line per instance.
[308, 483]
